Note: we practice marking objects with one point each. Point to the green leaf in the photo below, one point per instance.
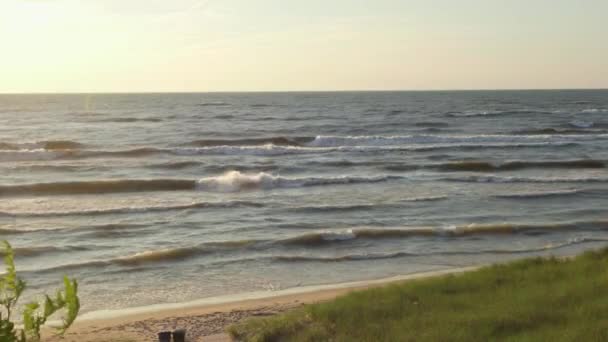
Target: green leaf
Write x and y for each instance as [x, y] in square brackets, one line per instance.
[72, 303]
[11, 286]
[35, 315]
[7, 332]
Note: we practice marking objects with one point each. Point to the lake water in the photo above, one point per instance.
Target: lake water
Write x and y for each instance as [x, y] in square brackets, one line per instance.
[163, 198]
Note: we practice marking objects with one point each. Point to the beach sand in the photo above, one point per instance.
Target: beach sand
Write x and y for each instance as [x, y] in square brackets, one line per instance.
[207, 320]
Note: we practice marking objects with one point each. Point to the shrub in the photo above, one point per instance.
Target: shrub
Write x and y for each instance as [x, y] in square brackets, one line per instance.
[34, 314]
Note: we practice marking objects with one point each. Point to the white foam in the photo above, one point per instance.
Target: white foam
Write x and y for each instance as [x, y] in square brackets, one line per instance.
[360, 141]
[581, 123]
[234, 181]
[594, 110]
[263, 150]
[338, 235]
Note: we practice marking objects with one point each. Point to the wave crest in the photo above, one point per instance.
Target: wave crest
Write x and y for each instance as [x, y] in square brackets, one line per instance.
[96, 187]
[49, 145]
[234, 181]
[482, 166]
[278, 141]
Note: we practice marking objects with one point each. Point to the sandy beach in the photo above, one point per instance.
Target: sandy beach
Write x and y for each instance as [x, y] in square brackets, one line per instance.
[206, 320]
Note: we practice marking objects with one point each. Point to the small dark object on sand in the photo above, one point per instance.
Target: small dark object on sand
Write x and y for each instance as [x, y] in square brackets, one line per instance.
[179, 335]
[164, 336]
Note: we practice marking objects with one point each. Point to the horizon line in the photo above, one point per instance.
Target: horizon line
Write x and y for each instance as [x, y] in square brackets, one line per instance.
[296, 91]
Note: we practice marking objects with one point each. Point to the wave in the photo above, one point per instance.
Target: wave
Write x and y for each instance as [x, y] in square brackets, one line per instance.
[594, 110]
[349, 257]
[559, 131]
[331, 237]
[39, 167]
[8, 231]
[425, 198]
[236, 181]
[36, 251]
[97, 187]
[214, 104]
[43, 154]
[260, 150]
[157, 256]
[482, 166]
[393, 255]
[229, 182]
[483, 113]
[147, 209]
[176, 165]
[581, 123]
[264, 105]
[499, 179]
[49, 145]
[169, 254]
[339, 141]
[130, 119]
[540, 194]
[273, 150]
[224, 117]
[432, 124]
[133, 153]
[293, 146]
[110, 231]
[315, 239]
[322, 238]
[337, 208]
[363, 207]
[277, 141]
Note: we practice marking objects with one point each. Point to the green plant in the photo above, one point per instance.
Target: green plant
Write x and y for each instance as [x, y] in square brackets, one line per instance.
[540, 299]
[34, 314]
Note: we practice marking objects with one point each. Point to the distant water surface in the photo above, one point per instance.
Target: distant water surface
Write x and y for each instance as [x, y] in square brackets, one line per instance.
[162, 198]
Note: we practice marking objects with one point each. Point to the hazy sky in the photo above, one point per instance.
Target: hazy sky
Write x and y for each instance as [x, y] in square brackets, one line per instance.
[263, 45]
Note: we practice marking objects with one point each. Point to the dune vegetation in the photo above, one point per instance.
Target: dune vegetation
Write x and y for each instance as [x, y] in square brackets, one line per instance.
[541, 299]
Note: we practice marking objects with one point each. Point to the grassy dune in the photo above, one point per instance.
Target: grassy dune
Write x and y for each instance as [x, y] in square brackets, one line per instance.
[529, 300]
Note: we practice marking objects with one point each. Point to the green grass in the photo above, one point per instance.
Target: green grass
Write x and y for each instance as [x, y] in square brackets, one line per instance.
[529, 300]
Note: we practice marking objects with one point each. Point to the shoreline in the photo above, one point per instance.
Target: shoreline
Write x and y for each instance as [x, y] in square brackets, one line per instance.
[210, 316]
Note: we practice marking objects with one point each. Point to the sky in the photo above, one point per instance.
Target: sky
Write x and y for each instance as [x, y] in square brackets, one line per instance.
[291, 45]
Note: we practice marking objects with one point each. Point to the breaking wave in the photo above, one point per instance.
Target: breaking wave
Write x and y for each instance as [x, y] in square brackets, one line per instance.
[379, 256]
[330, 237]
[338, 141]
[232, 181]
[321, 238]
[293, 146]
[236, 181]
